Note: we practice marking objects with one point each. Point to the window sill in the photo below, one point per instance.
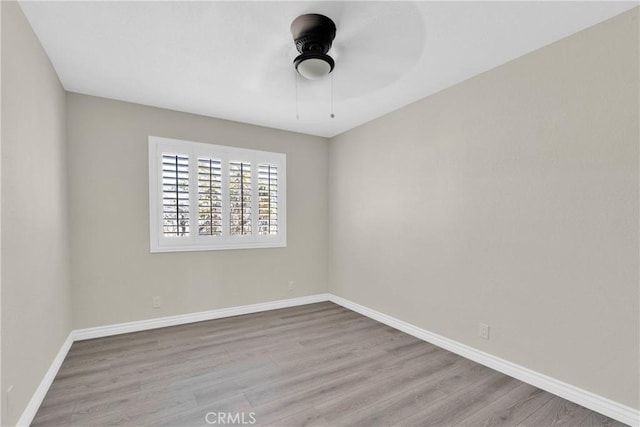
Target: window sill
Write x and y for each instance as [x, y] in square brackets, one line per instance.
[222, 247]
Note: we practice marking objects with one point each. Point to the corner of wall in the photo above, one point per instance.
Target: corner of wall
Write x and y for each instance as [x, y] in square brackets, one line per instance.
[36, 295]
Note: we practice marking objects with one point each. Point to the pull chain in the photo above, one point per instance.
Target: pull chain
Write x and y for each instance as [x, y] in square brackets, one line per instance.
[298, 102]
[332, 116]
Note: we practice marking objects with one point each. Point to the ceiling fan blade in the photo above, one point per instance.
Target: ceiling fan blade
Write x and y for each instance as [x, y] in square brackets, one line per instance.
[269, 66]
[370, 50]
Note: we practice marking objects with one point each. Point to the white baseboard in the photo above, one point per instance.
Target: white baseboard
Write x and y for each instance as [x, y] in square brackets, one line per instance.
[36, 400]
[574, 394]
[181, 319]
[123, 328]
[577, 395]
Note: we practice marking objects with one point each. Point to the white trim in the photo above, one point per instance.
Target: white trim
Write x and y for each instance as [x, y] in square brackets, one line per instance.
[194, 247]
[574, 394]
[180, 319]
[36, 400]
[615, 410]
[158, 242]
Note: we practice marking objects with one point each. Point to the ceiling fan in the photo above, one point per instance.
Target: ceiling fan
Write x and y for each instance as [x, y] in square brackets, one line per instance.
[355, 48]
[313, 35]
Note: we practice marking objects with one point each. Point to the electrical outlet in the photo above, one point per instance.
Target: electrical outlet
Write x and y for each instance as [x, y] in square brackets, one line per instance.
[483, 331]
[157, 302]
[292, 285]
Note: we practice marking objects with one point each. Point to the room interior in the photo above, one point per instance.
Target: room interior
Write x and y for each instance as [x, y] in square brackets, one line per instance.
[467, 174]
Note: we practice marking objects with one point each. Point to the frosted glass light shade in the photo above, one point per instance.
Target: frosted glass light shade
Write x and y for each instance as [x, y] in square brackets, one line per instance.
[314, 68]
[313, 65]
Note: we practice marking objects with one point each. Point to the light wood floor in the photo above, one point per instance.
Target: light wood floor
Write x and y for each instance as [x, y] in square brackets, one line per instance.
[318, 364]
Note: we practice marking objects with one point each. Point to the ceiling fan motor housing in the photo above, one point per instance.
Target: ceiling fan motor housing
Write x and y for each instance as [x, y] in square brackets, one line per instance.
[313, 35]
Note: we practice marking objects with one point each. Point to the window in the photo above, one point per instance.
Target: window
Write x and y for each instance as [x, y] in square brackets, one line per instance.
[205, 197]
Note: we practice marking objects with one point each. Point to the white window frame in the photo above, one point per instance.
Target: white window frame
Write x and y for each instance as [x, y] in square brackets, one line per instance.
[194, 241]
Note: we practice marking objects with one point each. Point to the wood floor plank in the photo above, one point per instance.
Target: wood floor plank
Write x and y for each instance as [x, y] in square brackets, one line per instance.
[233, 405]
[463, 402]
[426, 394]
[314, 365]
[391, 381]
[91, 392]
[306, 418]
[510, 409]
[54, 415]
[303, 398]
[400, 405]
[264, 393]
[150, 409]
[557, 412]
[598, 420]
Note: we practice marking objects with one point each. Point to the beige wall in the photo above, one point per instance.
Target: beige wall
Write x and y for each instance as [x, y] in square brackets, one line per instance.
[114, 277]
[510, 199]
[36, 311]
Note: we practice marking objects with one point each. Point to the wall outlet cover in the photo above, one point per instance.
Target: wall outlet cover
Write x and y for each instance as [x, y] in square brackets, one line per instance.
[483, 331]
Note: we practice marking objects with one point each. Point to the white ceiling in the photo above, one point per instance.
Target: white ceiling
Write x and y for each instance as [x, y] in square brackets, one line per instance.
[233, 60]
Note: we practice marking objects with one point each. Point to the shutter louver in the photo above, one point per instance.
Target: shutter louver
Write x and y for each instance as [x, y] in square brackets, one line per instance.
[267, 199]
[209, 197]
[175, 194]
[239, 198]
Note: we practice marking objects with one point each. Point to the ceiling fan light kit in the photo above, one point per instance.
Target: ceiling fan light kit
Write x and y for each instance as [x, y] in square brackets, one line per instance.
[313, 35]
[313, 66]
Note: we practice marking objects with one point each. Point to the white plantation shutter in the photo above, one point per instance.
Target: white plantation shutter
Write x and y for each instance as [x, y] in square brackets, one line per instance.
[267, 199]
[204, 196]
[239, 198]
[175, 194]
[209, 197]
